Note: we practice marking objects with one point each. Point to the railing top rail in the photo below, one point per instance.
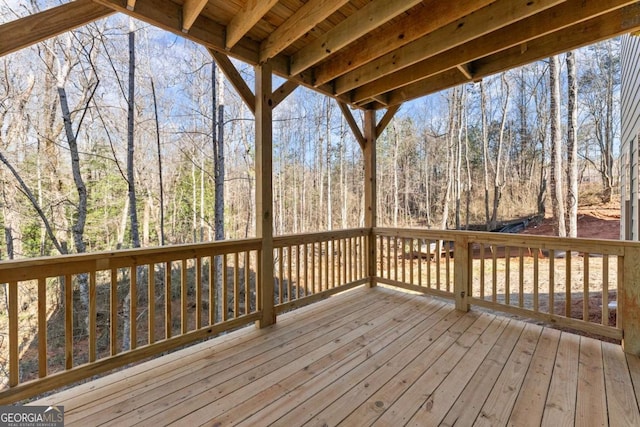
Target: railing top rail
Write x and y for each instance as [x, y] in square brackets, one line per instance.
[597, 246]
[298, 239]
[43, 267]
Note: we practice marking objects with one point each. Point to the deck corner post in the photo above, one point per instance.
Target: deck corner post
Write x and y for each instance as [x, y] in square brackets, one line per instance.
[462, 260]
[264, 193]
[629, 300]
[370, 196]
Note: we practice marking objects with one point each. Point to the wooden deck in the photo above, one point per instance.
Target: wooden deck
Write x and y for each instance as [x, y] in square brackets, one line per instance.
[373, 357]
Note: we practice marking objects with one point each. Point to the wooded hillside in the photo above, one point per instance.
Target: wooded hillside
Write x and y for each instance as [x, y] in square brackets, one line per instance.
[477, 154]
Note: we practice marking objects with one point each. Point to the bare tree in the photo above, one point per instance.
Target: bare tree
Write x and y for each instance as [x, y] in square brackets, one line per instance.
[572, 146]
[557, 199]
[499, 180]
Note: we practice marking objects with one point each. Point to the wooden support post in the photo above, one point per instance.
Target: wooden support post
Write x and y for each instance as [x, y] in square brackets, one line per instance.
[264, 196]
[370, 214]
[462, 260]
[629, 300]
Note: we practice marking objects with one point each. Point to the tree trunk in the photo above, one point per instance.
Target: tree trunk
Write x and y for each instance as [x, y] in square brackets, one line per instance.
[572, 146]
[328, 166]
[498, 179]
[161, 184]
[557, 198]
[133, 207]
[128, 317]
[217, 131]
[485, 154]
[396, 189]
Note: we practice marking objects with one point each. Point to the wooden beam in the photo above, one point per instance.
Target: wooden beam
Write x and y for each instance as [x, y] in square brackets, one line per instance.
[167, 15]
[131, 4]
[516, 34]
[370, 191]
[352, 124]
[612, 24]
[264, 190]
[600, 28]
[442, 81]
[24, 32]
[283, 91]
[431, 15]
[235, 78]
[465, 70]
[251, 13]
[191, 9]
[367, 19]
[303, 20]
[495, 16]
[386, 119]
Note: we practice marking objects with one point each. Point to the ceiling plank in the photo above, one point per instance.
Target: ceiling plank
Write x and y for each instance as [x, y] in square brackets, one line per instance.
[191, 9]
[249, 16]
[351, 121]
[303, 20]
[281, 93]
[235, 78]
[24, 32]
[484, 21]
[612, 24]
[355, 26]
[167, 15]
[561, 16]
[431, 15]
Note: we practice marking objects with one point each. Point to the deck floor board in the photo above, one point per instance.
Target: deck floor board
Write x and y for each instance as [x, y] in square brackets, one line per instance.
[372, 357]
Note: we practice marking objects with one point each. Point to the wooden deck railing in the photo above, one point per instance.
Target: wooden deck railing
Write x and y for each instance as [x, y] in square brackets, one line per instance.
[312, 266]
[574, 283]
[106, 310]
[110, 309]
[420, 260]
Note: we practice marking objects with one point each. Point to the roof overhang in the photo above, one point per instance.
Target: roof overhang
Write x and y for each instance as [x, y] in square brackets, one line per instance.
[369, 54]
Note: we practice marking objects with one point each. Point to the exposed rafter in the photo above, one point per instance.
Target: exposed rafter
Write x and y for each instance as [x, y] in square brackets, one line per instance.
[370, 54]
[190, 11]
[430, 16]
[167, 15]
[602, 27]
[495, 16]
[252, 12]
[24, 32]
[304, 19]
[355, 26]
[516, 34]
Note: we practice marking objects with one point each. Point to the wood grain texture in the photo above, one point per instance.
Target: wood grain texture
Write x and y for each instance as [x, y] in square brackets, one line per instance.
[371, 355]
[21, 33]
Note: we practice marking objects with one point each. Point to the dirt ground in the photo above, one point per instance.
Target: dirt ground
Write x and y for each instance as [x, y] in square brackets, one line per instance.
[594, 222]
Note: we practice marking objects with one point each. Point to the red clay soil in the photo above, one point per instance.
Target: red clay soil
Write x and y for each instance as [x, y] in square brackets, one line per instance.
[594, 222]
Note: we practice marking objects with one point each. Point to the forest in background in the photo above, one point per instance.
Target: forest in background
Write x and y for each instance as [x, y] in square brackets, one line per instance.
[476, 154]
